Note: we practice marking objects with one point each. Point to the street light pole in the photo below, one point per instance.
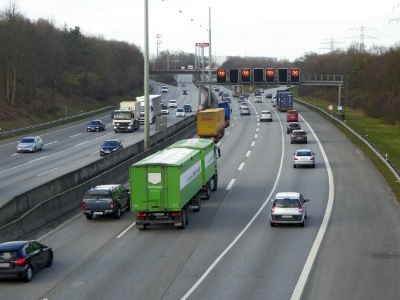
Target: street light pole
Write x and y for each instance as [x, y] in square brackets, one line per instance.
[146, 77]
[209, 56]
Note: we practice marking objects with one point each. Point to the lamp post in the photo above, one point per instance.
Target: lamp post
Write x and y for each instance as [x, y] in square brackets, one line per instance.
[146, 76]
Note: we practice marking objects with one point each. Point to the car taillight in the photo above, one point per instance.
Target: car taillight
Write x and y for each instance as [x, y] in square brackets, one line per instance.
[20, 261]
[273, 208]
[112, 204]
[140, 214]
[300, 208]
[312, 158]
[296, 158]
[293, 135]
[83, 205]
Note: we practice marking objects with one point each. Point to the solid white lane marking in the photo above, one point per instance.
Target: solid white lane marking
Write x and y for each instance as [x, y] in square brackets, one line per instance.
[127, 228]
[298, 290]
[46, 172]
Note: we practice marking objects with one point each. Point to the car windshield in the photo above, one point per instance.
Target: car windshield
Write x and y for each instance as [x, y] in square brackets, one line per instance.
[286, 203]
[110, 143]
[27, 140]
[303, 153]
[94, 123]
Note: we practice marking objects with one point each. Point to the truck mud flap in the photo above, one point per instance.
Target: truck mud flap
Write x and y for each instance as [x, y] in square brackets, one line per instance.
[195, 203]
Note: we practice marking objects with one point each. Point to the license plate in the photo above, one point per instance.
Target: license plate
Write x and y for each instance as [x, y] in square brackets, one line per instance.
[159, 214]
[98, 213]
[286, 217]
[4, 265]
[304, 158]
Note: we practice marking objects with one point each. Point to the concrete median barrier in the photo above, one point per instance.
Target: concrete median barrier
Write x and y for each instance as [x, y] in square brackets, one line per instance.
[48, 202]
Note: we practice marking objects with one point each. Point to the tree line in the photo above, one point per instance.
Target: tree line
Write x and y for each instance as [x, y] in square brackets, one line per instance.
[40, 62]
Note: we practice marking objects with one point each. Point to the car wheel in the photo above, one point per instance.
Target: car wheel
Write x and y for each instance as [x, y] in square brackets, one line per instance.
[313, 166]
[294, 166]
[34, 149]
[118, 213]
[291, 142]
[141, 227]
[272, 224]
[302, 224]
[49, 260]
[28, 274]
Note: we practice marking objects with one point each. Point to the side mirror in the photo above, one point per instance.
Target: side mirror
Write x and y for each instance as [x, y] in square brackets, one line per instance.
[307, 200]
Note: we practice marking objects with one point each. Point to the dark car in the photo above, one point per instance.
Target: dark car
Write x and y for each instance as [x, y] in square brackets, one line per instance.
[187, 108]
[268, 95]
[96, 125]
[20, 259]
[298, 136]
[110, 146]
[227, 100]
[220, 93]
[292, 126]
[108, 199]
[184, 92]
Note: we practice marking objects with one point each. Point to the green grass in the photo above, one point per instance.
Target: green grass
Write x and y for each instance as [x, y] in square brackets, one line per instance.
[383, 136]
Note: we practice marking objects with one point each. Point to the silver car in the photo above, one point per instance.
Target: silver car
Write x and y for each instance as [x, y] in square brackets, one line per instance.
[289, 208]
[304, 157]
[266, 116]
[30, 144]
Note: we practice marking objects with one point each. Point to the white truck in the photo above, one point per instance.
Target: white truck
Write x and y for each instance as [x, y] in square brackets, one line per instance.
[154, 108]
[127, 117]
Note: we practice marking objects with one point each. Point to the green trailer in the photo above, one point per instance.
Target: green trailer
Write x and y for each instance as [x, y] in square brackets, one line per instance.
[209, 155]
[164, 186]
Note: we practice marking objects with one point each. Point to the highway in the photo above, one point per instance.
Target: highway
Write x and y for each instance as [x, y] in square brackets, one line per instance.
[68, 147]
[349, 248]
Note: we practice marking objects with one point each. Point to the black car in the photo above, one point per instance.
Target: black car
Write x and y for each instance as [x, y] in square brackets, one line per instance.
[220, 93]
[108, 199]
[20, 259]
[292, 126]
[184, 92]
[96, 125]
[110, 146]
[187, 108]
[298, 136]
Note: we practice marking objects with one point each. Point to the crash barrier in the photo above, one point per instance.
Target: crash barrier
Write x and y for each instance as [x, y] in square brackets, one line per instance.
[393, 169]
[46, 203]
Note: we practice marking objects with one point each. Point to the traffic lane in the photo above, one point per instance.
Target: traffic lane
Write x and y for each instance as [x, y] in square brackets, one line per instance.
[167, 243]
[245, 271]
[360, 249]
[76, 246]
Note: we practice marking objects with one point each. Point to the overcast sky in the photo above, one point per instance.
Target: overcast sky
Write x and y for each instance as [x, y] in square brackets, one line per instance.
[280, 29]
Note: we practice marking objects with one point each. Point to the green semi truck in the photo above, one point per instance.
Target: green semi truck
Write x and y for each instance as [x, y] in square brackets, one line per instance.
[209, 155]
[164, 186]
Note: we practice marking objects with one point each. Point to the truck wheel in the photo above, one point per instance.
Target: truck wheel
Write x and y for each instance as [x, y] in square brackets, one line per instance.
[117, 214]
[185, 219]
[196, 201]
[214, 183]
[208, 191]
[89, 217]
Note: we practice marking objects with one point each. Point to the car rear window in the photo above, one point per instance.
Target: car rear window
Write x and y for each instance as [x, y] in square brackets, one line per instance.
[292, 112]
[97, 194]
[303, 153]
[286, 203]
[8, 255]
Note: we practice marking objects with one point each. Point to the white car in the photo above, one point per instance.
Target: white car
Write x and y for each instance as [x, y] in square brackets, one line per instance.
[164, 110]
[30, 144]
[304, 157]
[164, 89]
[180, 112]
[244, 110]
[289, 208]
[258, 99]
[172, 103]
[266, 116]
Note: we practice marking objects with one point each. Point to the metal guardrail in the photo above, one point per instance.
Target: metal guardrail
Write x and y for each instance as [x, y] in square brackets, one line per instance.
[54, 122]
[395, 170]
